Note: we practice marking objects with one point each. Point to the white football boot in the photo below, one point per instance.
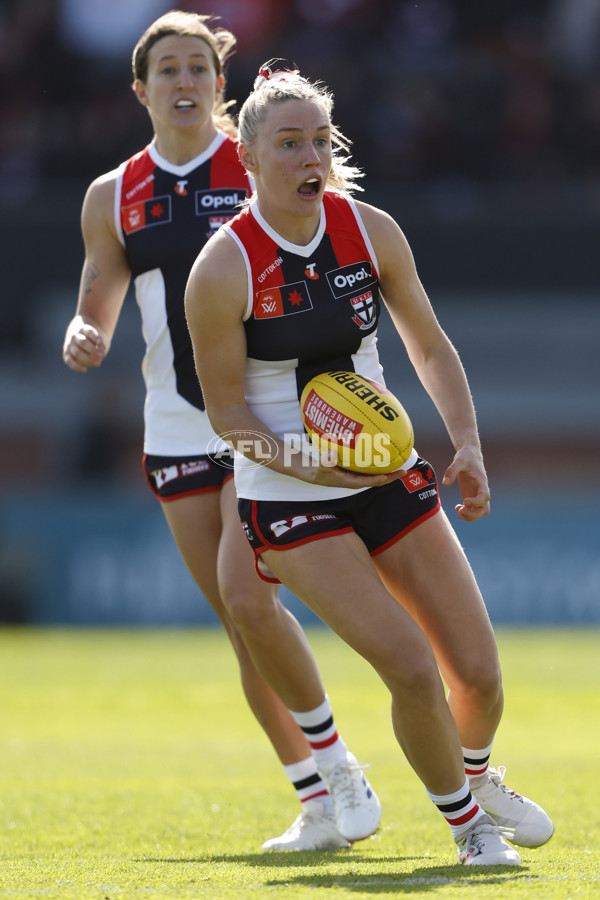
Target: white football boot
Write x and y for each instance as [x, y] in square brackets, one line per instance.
[530, 824]
[312, 830]
[356, 806]
[484, 845]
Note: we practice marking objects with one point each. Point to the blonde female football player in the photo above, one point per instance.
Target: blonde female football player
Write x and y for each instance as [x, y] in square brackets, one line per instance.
[270, 303]
[148, 219]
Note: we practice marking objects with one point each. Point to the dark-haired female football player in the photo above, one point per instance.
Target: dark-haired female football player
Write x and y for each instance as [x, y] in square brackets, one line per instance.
[148, 219]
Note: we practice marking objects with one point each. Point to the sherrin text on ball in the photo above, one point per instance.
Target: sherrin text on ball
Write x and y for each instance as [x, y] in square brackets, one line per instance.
[358, 418]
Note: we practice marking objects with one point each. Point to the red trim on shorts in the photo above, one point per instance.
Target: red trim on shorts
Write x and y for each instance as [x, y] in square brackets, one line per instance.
[260, 574]
[267, 545]
[255, 523]
[257, 551]
[206, 490]
[312, 537]
[146, 476]
[307, 540]
[404, 531]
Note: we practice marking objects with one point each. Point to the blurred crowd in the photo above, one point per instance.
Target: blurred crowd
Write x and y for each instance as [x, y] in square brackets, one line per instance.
[479, 109]
[428, 90]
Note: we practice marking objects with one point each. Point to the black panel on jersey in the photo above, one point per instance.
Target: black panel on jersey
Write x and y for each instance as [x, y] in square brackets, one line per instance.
[173, 248]
[192, 231]
[323, 336]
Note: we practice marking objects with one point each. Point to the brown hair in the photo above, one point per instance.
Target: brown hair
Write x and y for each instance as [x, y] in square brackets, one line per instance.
[221, 42]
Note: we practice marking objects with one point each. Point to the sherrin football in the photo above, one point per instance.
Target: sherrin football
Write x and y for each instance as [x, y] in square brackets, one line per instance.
[360, 419]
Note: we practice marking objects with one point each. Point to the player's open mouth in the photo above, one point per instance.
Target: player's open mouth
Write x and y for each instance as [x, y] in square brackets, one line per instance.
[310, 187]
[184, 104]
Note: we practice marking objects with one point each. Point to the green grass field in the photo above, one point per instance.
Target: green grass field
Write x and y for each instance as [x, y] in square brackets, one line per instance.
[131, 767]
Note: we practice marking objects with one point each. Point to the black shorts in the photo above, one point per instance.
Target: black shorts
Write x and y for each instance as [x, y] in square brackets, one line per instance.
[380, 516]
[172, 477]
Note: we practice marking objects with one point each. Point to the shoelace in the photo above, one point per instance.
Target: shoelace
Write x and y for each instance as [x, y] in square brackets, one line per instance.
[346, 787]
[474, 837]
[497, 777]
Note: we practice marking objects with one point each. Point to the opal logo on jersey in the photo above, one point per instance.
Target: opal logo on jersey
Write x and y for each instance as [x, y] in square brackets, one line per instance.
[219, 199]
[347, 279]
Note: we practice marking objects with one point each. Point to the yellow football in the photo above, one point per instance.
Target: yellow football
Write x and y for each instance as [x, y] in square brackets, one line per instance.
[358, 418]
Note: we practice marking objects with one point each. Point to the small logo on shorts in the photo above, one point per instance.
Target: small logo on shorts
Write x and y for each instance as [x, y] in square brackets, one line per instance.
[282, 526]
[413, 481]
[178, 470]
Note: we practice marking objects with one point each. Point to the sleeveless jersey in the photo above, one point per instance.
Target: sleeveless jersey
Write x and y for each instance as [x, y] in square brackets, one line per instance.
[310, 309]
[164, 215]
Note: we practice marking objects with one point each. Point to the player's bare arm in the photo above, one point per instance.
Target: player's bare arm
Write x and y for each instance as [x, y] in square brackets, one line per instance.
[104, 280]
[434, 358]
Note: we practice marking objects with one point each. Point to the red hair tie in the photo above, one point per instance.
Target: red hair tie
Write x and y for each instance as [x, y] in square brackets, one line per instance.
[266, 72]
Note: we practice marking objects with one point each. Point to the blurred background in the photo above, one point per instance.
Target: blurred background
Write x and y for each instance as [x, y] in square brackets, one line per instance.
[478, 128]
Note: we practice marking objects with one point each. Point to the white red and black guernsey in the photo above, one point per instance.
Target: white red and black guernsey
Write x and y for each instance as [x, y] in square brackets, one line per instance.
[310, 309]
[164, 215]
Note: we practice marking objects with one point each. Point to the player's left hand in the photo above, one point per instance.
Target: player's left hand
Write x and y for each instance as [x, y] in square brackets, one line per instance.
[467, 468]
[330, 474]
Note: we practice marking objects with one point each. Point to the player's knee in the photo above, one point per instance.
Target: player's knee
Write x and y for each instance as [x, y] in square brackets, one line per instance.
[249, 609]
[418, 679]
[481, 681]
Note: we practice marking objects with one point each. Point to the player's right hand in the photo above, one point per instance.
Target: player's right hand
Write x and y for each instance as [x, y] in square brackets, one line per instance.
[84, 348]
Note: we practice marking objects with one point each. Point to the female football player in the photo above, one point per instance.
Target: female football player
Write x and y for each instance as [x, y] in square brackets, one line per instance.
[148, 219]
[270, 304]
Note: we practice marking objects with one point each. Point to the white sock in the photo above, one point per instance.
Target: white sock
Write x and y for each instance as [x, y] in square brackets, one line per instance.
[321, 733]
[460, 809]
[476, 761]
[307, 783]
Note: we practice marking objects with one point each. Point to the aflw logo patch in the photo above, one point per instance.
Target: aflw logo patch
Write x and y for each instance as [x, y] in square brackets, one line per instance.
[414, 481]
[282, 301]
[146, 213]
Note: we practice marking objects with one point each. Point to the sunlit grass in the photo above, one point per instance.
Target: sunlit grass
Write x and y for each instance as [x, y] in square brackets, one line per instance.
[131, 767]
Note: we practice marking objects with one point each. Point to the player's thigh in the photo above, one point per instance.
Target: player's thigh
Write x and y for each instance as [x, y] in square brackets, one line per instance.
[240, 585]
[428, 573]
[336, 578]
[195, 522]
